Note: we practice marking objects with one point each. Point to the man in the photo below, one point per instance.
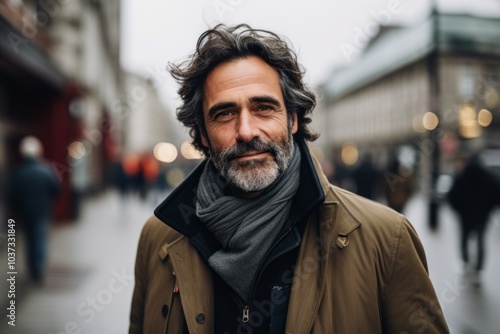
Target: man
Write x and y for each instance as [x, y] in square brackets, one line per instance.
[256, 239]
[474, 195]
[33, 189]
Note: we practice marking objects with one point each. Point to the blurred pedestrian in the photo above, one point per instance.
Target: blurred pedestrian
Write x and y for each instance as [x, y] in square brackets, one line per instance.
[366, 177]
[149, 171]
[119, 176]
[473, 195]
[132, 168]
[33, 189]
[398, 185]
[342, 175]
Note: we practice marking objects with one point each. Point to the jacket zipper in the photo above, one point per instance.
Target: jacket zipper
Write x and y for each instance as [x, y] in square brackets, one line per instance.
[246, 313]
[245, 306]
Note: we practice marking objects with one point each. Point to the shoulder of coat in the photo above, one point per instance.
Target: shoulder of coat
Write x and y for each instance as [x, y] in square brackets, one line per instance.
[366, 212]
[157, 231]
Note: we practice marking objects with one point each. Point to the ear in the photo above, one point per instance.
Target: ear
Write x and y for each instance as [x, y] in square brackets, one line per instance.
[295, 125]
[204, 140]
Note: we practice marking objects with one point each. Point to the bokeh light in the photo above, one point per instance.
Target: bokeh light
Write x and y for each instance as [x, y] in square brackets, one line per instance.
[175, 176]
[484, 118]
[188, 151]
[76, 150]
[165, 152]
[468, 125]
[418, 123]
[430, 121]
[349, 154]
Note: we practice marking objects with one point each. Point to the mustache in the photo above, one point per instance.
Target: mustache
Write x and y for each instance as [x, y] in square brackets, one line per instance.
[243, 147]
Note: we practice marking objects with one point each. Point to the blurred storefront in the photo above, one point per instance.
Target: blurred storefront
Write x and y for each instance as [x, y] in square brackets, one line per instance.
[426, 92]
[60, 80]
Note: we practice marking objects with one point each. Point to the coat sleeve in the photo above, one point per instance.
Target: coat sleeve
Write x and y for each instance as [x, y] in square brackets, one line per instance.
[410, 304]
[139, 294]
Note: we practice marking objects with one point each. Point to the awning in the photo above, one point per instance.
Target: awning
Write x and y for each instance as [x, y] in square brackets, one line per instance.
[21, 58]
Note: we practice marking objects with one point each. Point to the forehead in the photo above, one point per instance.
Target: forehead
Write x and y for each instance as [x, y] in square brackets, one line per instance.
[243, 77]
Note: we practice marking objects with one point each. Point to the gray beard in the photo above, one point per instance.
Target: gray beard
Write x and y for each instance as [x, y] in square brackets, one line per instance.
[258, 174]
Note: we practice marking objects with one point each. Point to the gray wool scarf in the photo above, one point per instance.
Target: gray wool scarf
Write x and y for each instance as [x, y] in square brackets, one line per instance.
[246, 228]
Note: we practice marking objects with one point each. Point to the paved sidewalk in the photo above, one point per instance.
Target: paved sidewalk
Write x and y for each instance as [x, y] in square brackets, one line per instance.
[89, 284]
[468, 309]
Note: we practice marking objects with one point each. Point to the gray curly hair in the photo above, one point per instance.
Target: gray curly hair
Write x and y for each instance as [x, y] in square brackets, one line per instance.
[222, 44]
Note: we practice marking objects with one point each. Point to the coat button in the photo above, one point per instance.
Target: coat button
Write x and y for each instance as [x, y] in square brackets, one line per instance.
[200, 318]
[164, 310]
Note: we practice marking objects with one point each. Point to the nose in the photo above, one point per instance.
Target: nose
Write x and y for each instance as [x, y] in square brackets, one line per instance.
[247, 127]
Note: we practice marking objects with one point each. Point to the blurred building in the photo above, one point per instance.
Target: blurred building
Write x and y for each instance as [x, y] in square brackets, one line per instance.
[152, 131]
[387, 100]
[61, 81]
[148, 121]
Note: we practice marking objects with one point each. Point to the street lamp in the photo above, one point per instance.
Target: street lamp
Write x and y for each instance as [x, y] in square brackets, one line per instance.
[433, 70]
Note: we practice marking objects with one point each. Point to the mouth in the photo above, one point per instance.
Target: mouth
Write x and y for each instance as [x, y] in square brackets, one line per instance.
[252, 155]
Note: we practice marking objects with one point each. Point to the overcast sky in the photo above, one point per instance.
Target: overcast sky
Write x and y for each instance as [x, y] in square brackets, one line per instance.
[155, 32]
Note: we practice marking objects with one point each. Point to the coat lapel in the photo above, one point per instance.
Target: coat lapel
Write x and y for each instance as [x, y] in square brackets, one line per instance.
[326, 232]
[310, 271]
[195, 286]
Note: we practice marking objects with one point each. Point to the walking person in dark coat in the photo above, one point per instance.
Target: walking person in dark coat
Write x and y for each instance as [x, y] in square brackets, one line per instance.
[366, 176]
[473, 196]
[33, 190]
[398, 185]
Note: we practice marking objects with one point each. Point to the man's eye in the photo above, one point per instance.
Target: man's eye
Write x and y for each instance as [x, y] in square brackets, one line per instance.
[264, 108]
[223, 114]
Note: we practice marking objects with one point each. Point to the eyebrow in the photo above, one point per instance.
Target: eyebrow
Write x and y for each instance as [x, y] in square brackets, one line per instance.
[265, 99]
[255, 99]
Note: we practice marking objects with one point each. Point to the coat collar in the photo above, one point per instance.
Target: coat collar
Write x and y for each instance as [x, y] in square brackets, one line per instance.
[335, 210]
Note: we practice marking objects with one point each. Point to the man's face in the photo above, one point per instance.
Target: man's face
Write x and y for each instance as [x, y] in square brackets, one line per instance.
[249, 134]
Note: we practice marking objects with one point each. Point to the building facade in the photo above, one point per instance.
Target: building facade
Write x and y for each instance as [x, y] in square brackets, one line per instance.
[148, 121]
[61, 80]
[425, 92]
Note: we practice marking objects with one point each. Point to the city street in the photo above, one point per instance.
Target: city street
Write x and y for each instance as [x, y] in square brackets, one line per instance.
[469, 309]
[90, 279]
[104, 98]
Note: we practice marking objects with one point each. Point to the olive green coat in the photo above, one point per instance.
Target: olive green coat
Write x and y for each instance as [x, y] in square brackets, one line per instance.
[361, 269]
